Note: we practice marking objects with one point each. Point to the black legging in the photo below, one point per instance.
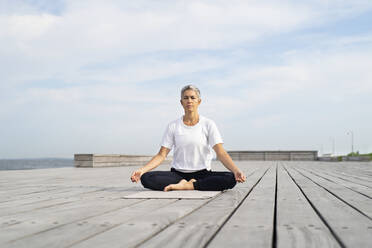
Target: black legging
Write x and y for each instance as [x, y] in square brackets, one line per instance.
[205, 180]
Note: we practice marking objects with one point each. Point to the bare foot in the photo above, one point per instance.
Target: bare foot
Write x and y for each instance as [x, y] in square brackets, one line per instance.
[182, 185]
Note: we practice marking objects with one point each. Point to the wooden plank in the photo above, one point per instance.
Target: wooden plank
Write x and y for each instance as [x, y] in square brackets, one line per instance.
[71, 188]
[84, 203]
[252, 223]
[43, 220]
[349, 227]
[363, 167]
[359, 202]
[93, 178]
[45, 195]
[24, 193]
[352, 174]
[74, 195]
[297, 228]
[142, 227]
[79, 207]
[196, 229]
[359, 171]
[74, 177]
[83, 228]
[26, 225]
[350, 185]
[177, 194]
[69, 182]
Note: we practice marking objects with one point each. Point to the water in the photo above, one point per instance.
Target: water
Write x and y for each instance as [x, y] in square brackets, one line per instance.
[37, 163]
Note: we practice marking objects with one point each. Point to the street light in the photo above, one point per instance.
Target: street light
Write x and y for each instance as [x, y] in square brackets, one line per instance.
[333, 145]
[352, 141]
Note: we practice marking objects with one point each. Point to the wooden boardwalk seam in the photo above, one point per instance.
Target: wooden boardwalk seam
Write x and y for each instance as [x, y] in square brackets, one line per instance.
[282, 204]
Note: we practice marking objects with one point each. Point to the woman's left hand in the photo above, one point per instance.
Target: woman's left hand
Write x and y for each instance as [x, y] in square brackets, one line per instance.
[239, 176]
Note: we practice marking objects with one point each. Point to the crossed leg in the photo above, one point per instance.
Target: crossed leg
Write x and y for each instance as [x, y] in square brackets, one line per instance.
[206, 180]
[182, 185]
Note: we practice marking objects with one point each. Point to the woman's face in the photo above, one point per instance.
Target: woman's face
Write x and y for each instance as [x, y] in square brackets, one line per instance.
[190, 100]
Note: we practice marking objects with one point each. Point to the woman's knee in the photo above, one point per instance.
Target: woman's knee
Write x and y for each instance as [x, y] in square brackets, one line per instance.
[231, 180]
[218, 181]
[157, 180]
[145, 179]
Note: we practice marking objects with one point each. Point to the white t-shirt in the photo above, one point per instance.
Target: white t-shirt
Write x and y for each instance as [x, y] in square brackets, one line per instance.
[192, 144]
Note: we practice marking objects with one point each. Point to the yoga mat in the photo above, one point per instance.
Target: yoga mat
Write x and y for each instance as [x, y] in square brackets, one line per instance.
[176, 194]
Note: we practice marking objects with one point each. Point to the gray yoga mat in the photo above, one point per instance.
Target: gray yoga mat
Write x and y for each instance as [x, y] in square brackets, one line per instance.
[176, 194]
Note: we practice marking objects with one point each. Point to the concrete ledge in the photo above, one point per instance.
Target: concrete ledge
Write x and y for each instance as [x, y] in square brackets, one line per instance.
[111, 160]
[356, 158]
[274, 155]
[346, 158]
[328, 159]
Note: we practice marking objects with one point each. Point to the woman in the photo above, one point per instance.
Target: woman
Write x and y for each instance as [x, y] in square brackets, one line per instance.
[192, 138]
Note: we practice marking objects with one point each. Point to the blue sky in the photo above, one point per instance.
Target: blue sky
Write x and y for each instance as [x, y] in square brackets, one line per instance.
[104, 76]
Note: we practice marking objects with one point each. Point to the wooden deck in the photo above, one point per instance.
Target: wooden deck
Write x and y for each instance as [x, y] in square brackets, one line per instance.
[282, 204]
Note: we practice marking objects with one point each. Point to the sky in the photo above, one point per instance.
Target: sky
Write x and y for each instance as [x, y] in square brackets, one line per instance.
[90, 76]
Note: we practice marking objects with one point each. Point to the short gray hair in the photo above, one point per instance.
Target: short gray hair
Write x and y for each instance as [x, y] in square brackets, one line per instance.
[190, 87]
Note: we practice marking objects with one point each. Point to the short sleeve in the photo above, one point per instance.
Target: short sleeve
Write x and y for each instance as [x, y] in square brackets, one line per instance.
[168, 138]
[214, 136]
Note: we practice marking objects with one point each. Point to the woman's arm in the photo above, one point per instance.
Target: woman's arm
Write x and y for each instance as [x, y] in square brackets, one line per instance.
[153, 163]
[226, 160]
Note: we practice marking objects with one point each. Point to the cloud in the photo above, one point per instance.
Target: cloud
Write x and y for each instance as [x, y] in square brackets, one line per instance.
[87, 73]
[40, 42]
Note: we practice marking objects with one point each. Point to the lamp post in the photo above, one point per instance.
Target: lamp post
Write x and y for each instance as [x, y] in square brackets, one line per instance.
[352, 141]
[333, 145]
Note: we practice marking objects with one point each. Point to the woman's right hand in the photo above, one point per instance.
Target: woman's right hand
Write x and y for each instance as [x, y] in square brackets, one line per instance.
[136, 175]
[154, 162]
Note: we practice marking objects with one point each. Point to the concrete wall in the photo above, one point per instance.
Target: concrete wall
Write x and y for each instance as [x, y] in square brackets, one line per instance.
[328, 159]
[274, 155]
[345, 158]
[356, 158]
[108, 160]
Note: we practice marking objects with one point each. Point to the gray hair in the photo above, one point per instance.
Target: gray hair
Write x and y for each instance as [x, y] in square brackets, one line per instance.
[190, 87]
